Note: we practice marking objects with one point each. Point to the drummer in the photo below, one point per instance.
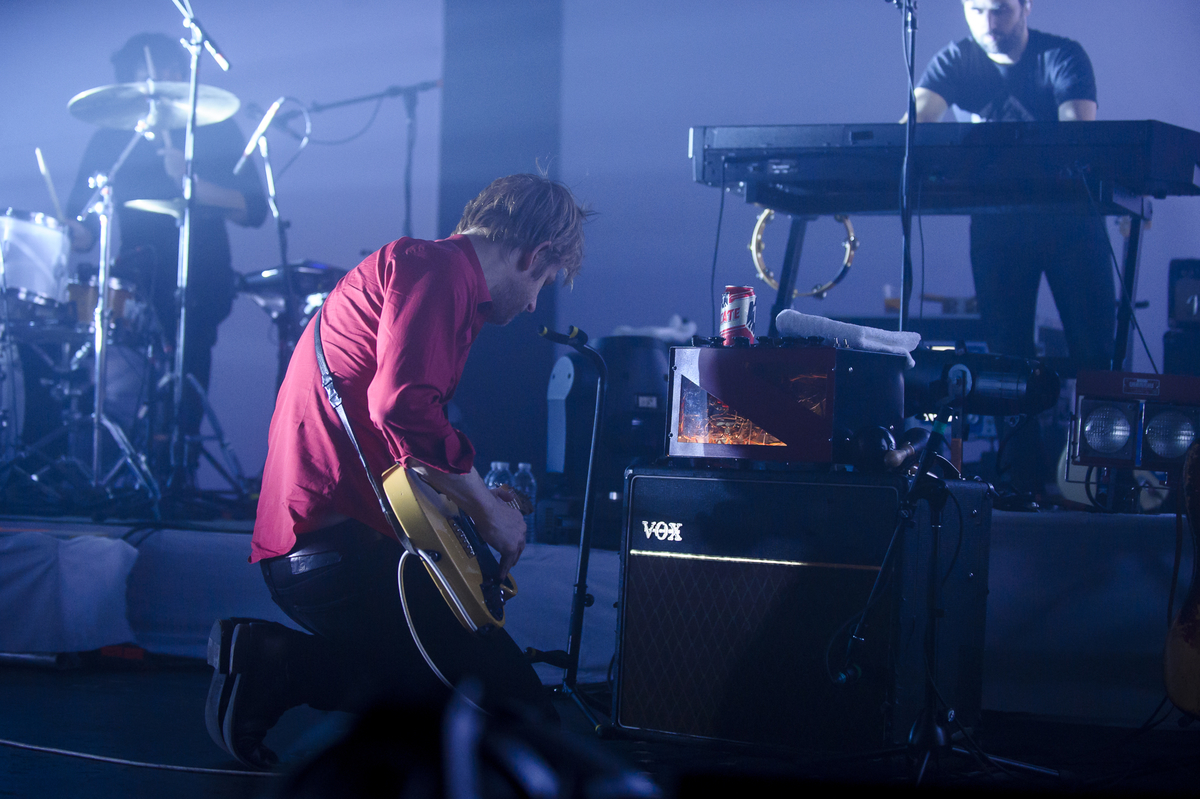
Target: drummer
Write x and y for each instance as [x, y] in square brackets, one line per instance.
[149, 242]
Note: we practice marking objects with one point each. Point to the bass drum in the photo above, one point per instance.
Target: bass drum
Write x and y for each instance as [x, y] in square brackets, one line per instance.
[127, 389]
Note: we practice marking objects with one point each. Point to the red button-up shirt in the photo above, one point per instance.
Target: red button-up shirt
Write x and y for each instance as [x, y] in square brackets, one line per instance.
[396, 332]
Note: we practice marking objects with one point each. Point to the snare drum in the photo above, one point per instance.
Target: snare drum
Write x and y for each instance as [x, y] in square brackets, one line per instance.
[35, 249]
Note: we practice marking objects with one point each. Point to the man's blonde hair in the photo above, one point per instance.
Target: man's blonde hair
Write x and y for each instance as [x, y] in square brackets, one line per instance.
[519, 212]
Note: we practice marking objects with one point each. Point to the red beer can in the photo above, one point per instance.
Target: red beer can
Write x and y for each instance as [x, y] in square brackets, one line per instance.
[737, 313]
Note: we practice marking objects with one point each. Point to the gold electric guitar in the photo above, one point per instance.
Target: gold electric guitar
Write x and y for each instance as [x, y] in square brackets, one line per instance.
[445, 538]
[1181, 660]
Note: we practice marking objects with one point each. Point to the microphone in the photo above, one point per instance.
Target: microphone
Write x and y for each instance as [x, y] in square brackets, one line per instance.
[258, 132]
[911, 444]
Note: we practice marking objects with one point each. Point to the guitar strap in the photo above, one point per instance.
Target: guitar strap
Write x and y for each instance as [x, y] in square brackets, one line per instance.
[335, 400]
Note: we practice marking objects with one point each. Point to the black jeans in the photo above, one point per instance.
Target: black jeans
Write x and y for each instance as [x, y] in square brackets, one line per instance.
[1009, 255]
[340, 584]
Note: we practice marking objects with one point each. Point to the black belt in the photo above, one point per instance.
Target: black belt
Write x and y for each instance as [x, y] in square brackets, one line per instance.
[323, 547]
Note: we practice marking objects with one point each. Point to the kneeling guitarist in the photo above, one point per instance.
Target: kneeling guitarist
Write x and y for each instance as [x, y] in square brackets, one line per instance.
[395, 333]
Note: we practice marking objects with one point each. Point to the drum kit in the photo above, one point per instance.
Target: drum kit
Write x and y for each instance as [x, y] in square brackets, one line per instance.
[81, 344]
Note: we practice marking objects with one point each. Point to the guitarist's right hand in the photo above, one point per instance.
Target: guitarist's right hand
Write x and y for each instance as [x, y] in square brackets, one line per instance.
[498, 523]
[504, 531]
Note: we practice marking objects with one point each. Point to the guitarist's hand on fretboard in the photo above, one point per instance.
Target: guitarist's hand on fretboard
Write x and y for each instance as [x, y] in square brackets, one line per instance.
[511, 496]
[498, 523]
[503, 528]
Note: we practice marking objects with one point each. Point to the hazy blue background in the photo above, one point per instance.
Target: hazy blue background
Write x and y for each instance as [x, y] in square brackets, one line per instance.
[635, 76]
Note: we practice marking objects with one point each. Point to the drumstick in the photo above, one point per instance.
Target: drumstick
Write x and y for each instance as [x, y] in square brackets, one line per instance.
[49, 185]
[153, 75]
[149, 63]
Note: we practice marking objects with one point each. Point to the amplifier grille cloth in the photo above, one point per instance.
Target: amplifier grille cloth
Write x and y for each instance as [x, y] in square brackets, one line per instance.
[736, 651]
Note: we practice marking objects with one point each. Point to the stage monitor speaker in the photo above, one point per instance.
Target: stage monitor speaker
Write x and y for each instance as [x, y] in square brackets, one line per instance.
[739, 590]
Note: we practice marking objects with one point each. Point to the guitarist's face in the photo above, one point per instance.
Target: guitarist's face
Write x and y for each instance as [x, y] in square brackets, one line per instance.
[518, 290]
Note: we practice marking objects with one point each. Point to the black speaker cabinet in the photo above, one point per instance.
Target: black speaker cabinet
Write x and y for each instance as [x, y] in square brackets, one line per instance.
[739, 590]
[1181, 351]
[1183, 293]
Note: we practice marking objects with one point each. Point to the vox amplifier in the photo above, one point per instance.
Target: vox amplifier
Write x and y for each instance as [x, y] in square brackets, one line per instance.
[739, 590]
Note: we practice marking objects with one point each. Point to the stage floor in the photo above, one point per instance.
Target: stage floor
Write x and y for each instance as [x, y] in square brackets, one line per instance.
[1073, 661]
[152, 713]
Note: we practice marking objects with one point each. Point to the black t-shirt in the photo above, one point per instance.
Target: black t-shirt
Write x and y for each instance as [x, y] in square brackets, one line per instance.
[149, 246]
[1052, 70]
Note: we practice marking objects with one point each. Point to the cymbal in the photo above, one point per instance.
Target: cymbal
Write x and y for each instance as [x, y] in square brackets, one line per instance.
[172, 207]
[308, 277]
[124, 105]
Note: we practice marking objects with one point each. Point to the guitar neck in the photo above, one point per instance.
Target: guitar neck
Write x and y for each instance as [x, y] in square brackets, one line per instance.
[519, 502]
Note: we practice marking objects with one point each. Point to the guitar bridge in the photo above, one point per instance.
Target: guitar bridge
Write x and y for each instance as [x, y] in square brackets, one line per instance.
[462, 538]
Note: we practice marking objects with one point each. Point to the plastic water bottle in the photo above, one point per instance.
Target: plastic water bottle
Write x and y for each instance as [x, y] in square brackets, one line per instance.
[498, 475]
[524, 482]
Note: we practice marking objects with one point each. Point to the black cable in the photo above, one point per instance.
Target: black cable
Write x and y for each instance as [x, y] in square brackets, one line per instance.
[957, 547]
[886, 568]
[1087, 487]
[138, 764]
[1148, 725]
[905, 170]
[1018, 427]
[304, 140]
[975, 749]
[921, 233]
[1178, 553]
[712, 280]
[1126, 300]
[353, 136]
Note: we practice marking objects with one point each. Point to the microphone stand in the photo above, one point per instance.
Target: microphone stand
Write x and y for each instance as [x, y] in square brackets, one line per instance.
[409, 93]
[930, 736]
[199, 40]
[289, 333]
[909, 9]
[580, 599]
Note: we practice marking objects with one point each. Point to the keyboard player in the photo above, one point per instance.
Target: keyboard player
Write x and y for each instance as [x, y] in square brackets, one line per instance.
[1007, 72]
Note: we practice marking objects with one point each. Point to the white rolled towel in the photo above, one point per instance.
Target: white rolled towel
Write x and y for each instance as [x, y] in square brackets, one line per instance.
[802, 325]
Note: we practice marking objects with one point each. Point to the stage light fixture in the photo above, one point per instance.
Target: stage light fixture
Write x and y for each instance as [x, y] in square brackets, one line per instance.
[1107, 428]
[1169, 431]
[1127, 420]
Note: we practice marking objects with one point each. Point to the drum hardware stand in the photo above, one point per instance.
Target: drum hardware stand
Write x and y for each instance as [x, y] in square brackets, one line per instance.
[74, 472]
[580, 600]
[101, 204]
[231, 470]
[9, 383]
